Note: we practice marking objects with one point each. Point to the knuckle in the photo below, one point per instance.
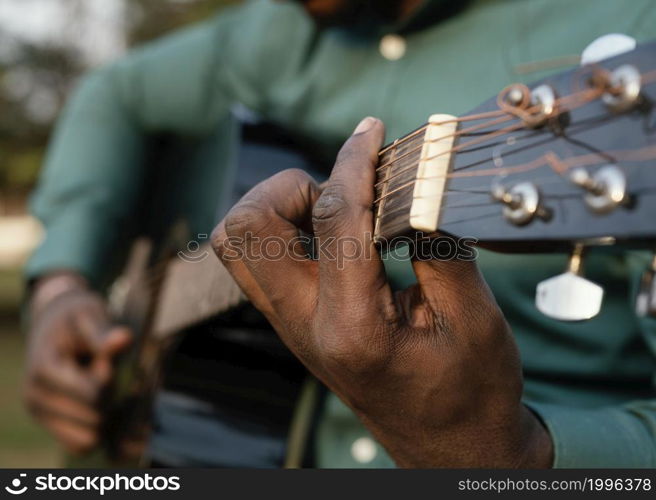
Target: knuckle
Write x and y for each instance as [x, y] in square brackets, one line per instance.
[217, 240]
[330, 211]
[249, 216]
[294, 176]
[355, 360]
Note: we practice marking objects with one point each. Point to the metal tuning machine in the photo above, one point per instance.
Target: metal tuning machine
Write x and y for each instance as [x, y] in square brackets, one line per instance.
[646, 300]
[625, 80]
[569, 296]
[522, 202]
[542, 107]
[605, 189]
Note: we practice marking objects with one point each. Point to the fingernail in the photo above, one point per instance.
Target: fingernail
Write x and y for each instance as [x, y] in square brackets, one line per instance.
[364, 125]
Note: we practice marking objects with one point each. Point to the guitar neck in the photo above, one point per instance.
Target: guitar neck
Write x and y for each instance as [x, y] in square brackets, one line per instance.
[411, 177]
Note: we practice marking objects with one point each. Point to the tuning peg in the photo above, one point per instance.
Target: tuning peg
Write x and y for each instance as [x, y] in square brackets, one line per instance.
[606, 188]
[646, 300]
[569, 296]
[606, 46]
[522, 202]
[625, 80]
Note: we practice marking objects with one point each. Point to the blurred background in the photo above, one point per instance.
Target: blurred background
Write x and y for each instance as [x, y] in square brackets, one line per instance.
[45, 45]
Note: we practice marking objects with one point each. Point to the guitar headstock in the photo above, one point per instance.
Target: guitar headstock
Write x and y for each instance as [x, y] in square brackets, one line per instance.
[568, 160]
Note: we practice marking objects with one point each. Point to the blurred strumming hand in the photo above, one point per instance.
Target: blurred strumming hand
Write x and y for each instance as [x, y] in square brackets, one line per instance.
[70, 362]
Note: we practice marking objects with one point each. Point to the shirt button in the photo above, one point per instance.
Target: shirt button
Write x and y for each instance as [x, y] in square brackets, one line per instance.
[392, 47]
[364, 450]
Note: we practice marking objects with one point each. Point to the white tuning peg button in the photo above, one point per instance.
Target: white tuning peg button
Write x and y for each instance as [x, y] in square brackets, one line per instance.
[606, 46]
[569, 296]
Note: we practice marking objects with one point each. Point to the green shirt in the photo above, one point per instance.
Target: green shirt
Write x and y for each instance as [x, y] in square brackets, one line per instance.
[592, 383]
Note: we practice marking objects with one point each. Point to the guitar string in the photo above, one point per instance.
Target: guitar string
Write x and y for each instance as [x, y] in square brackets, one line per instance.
[511, 111]
[547, 159]
[550, 158]
[645, 154]
[580, 98]
[457, 148]
[477, 116]
[405, 138]
[485, 137]
[410, 183]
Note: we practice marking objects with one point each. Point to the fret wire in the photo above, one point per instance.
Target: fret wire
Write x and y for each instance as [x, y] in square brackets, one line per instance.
[393, 166]
[381, 206]
[408, 148]
[403, 151]
[403, 139]
[396, 190]
[405, 163]
[399, 209]
[408, 176]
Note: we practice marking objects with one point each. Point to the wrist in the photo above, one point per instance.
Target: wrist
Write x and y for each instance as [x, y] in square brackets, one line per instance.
[537, 446]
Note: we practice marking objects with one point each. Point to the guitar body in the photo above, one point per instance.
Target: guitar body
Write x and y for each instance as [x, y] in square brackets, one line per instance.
[193, 298]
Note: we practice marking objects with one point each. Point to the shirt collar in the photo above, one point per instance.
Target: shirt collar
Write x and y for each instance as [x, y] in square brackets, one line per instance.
[428, 13]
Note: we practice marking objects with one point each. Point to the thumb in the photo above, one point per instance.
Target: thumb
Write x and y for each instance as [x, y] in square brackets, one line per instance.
[114, 342]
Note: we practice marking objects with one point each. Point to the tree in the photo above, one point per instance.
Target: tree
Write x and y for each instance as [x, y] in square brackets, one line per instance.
[37, 75]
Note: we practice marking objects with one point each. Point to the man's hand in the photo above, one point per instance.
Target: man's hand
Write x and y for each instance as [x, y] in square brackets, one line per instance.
[432, 371]
[71, 352]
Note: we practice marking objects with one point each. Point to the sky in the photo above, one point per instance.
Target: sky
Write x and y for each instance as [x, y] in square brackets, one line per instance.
[98, 31]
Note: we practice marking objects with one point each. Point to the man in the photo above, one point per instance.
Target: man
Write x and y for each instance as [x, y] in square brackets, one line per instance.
[587, 398]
